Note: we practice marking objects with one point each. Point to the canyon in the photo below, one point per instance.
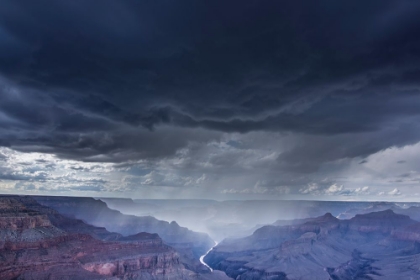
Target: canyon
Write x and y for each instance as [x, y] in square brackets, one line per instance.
[46, 237]
[377, 245]
[37, 242]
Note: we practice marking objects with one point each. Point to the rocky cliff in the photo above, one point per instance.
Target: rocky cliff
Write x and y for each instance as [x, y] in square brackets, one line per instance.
[35, 247]
[97, 213]
[377, 245]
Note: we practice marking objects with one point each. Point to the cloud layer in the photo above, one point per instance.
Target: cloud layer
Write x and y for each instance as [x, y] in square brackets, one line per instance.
[211, 98]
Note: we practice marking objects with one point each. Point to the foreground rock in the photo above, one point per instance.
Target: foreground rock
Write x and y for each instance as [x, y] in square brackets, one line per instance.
[34, 247]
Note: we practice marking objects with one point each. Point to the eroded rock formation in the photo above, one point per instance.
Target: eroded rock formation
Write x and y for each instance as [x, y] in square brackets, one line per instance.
[33, 246]
[379, 245]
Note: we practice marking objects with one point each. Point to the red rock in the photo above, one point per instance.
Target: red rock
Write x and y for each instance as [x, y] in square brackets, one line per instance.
[32, 247]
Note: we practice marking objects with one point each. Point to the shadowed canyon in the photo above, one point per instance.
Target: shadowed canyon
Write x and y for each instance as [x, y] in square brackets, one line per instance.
[45, 237]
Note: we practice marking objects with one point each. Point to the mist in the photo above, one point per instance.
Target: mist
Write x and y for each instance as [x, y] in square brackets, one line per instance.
[233, 218]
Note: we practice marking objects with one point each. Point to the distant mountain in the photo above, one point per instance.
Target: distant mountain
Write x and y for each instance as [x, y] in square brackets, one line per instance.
[378, 245]
[231, 218]
[409, 209]
[130, 207]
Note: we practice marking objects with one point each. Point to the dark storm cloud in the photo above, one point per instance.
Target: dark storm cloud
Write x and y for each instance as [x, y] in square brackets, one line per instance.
[114, 146]
[91, 80]
[311, 151]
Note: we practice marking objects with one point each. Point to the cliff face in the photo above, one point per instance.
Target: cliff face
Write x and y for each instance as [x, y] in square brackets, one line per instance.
[324, 248]
[19, 225]
[97, 213]
[15, 216]
[410, 233]
[67, 224]
[85, 258]
[33, 247]
[382, 221]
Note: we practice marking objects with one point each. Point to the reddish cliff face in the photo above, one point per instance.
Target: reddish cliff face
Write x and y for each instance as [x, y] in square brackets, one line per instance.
[82, 256]
[15, 216]
[24, 228]
[33, 248]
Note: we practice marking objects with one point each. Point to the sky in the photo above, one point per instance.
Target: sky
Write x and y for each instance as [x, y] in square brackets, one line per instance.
[211, 99]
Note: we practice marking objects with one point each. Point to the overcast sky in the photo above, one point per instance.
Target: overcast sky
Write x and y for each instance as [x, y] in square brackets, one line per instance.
[214, 99]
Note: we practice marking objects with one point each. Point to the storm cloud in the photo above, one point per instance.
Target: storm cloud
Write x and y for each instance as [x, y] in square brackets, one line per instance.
[296, 91]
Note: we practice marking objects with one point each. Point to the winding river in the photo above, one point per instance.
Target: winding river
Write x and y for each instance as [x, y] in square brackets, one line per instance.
[203, 256]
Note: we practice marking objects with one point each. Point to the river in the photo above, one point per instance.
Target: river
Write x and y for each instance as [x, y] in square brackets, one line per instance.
[203, 256]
